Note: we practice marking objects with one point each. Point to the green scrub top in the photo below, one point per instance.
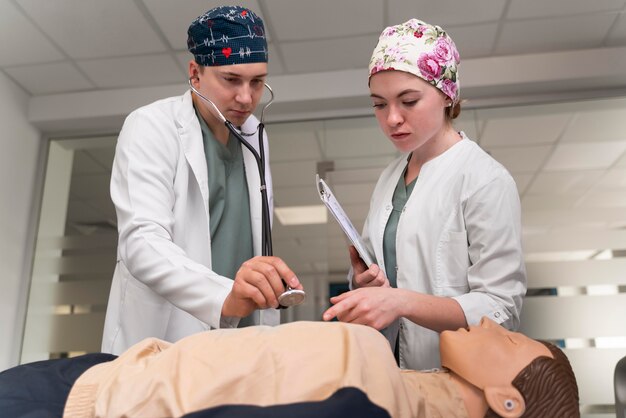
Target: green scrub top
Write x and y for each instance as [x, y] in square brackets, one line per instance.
[400, 197]
[229, 206]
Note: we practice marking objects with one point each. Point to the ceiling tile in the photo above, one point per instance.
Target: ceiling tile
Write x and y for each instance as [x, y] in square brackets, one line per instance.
[548, 202]
[329, 54]
[27, 44]
[363, 175]
[600, 125]
[145, 70]
[445, 12]
[350, 138]
[522, 181]
[354, 194]
[183, 59]
[275, 65]
[564, 182]
[289, 142]
[93, 29]
[553, 34]
[585, 156]
[300, 195]
[465, 40]
[349, 163]
[617, 36]
[468, 123]
[294, 173]
[521, 159]
[174, 17]
[608, 199]
[541, 8]
[613, 179]
[621, 162]
[523, 130]
[322, 19]
[58, 77]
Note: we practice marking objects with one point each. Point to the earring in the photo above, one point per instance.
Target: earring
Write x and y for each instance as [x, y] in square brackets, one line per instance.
[509, 404]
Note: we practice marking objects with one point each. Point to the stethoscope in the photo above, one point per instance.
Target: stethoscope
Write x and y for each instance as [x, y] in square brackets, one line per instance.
[289, 297]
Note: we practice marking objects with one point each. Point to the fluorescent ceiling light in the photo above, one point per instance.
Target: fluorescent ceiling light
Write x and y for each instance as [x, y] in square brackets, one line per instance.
[302, 215]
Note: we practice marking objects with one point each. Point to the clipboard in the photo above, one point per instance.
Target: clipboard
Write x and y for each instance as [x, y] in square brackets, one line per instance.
[341, 217]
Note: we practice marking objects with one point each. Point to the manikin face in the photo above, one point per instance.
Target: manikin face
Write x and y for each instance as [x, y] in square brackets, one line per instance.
[235, 89]
[488, 354]
[409, 110]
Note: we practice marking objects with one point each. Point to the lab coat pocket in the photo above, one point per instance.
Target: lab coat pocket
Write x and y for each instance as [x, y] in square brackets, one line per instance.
[145, 313]
[453, 260]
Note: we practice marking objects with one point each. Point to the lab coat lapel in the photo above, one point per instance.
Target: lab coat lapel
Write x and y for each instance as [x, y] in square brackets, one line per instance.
[191, 139]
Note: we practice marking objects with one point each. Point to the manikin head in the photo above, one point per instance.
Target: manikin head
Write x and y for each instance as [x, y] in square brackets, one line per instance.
[230, 62]
[519, 376]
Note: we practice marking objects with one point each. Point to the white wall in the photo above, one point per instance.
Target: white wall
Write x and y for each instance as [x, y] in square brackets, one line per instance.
[20, 145]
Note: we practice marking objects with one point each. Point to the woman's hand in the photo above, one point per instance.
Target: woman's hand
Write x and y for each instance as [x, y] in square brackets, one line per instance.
[363, 276]
[374, 306]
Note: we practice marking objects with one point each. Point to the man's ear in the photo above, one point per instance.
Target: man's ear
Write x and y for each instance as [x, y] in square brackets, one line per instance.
[505, 401]
[193, 70]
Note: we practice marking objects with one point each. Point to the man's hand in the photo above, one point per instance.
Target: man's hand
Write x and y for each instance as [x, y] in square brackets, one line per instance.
[258, 284]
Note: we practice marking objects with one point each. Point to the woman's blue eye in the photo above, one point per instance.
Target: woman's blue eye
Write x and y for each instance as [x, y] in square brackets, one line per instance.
[378, 105]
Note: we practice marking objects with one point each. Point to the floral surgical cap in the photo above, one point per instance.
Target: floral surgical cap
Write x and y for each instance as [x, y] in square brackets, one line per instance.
[420, 49]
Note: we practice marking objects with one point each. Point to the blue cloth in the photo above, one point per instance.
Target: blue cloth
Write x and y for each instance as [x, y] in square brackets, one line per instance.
[346, 402]
[227, 35]
[40, 389]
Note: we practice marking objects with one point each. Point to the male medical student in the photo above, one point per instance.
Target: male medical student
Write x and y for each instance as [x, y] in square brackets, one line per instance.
[188, 201]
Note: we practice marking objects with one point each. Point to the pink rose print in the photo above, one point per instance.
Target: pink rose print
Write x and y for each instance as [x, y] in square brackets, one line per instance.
[419, 32]
[413, 24]
[443, 51]
[429, 67]
[389, 31]
[379, 69]
[378, 66]
[449, 87]
[394, 53]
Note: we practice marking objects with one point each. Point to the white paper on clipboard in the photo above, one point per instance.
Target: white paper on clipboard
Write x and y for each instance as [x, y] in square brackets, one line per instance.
[340, 215]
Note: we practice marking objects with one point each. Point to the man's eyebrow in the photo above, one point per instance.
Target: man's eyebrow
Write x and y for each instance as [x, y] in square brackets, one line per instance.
[229, 73]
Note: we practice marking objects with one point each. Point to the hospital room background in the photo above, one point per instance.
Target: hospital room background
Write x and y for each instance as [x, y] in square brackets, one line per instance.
[545, 90]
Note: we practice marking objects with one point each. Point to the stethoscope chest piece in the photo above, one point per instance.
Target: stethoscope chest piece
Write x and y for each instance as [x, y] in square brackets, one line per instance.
[291, 297]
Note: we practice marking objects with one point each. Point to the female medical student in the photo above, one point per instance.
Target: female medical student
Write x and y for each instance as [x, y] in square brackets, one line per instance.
[444, 220]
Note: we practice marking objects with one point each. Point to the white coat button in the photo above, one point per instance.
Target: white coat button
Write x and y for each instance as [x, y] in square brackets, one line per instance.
[388, 207]
[497, 314]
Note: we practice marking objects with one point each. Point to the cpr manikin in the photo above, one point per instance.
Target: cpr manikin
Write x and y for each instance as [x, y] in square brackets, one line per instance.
[490, 371]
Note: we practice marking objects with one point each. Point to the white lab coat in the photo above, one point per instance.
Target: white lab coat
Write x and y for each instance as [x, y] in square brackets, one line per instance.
[163, 285]
[459, 235]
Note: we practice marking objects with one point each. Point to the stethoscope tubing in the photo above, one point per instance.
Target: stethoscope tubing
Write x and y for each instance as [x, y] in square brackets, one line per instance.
[291, 296]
